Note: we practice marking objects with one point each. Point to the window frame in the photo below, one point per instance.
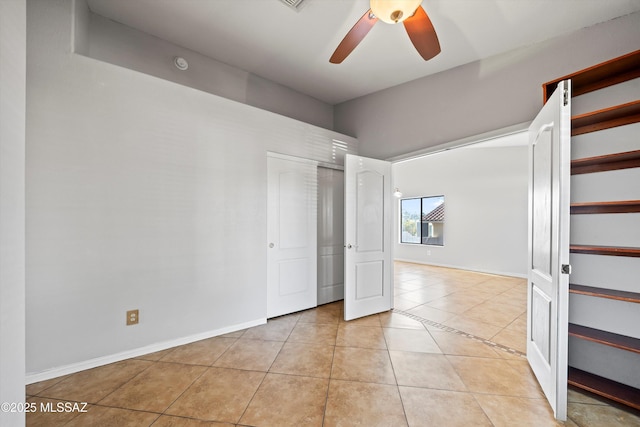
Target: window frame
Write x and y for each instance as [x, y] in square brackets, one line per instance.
[420, 226]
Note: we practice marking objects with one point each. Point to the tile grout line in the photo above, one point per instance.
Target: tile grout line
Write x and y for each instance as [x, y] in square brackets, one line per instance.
[490, 343]
[156, 362]
[395, 377]
[475, 399]
[164, 412]
[253, 396]
[152, 363]
[326, 399]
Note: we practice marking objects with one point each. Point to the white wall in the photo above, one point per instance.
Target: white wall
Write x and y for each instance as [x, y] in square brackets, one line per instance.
[141, 193]
[478, 97]
[12, 168]
[485, 193]
[118, 44]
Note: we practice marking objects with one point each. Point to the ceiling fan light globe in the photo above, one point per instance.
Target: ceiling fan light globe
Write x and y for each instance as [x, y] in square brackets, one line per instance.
[394, 11]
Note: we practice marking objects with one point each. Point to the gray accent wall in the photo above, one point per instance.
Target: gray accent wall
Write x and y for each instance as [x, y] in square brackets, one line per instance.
[109, 41]
[478, 97]
[12, 199]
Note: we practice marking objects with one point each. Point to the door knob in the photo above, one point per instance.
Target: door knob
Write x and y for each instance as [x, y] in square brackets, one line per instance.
[271, 245]
[349, 246]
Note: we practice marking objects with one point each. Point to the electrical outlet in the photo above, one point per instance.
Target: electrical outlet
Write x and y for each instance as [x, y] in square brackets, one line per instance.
[133, 317]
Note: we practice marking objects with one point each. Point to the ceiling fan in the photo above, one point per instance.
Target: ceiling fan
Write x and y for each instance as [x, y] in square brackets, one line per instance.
[409, 12]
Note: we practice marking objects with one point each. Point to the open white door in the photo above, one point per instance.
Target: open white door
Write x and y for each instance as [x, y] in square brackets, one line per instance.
[368, 262]
[291, 234]
[548, 262]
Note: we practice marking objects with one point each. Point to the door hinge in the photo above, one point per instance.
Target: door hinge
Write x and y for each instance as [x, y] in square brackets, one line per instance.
[566, 95]
[566, 269]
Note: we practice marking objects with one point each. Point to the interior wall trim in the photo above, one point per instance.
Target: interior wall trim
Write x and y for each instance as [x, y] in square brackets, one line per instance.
[34, 377]
[470, 140]
[435, 264]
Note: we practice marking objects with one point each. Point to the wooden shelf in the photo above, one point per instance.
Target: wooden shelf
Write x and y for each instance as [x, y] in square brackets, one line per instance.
[618, 70]
[622, 206]
[603, 337]
[608, 162]
[604, 250]
[613, 390]
[604, 293]
[605, 74]
[619, 115]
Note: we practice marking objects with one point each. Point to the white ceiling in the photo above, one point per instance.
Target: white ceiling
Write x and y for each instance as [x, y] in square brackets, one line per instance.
[269, 39]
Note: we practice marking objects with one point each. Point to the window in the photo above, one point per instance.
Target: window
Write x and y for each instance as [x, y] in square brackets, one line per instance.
[410, 209]
[422, 220]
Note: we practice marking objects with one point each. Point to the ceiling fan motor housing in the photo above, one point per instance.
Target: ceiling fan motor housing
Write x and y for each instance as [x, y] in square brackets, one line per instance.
[394, 11]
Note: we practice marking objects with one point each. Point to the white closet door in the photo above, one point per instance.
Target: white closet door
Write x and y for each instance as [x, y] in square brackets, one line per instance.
[368, 260]
[548, 281]
[291, 234]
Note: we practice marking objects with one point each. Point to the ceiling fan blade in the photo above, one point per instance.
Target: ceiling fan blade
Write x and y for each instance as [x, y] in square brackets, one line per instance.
[353, 37]
[422, 34]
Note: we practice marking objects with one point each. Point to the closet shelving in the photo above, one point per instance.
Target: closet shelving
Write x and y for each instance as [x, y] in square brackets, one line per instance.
[615, 391]
[606, 118]
[603, 337]
[604, 250]
[600, 76]
[617, 70]
[605, 293]
[621, 206]
[625, 160]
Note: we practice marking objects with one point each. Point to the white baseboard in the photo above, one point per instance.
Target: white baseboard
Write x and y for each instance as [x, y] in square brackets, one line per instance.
[34, 377]
[459, 267]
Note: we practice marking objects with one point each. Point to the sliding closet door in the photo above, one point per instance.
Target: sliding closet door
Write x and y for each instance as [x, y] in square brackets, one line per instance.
[330, 235]
[291, 234]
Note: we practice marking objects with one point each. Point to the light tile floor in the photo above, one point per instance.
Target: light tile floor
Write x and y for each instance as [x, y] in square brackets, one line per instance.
[428, 364]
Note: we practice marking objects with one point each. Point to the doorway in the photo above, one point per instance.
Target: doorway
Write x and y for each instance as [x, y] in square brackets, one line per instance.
[330, 235]
[305, 197]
